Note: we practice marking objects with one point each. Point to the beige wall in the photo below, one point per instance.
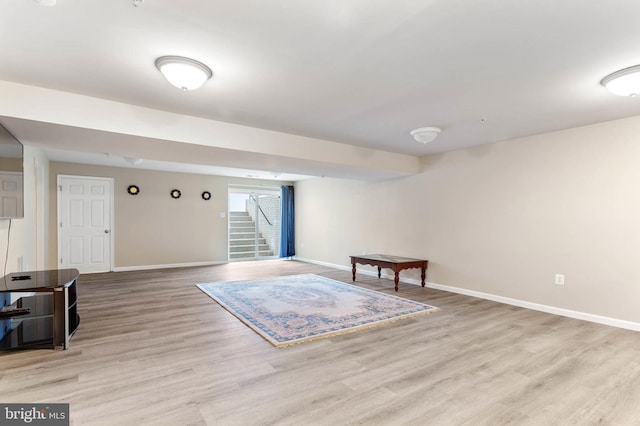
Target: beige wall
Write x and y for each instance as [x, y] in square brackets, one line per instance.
[501, 219]
[11, 164]
[152, 228]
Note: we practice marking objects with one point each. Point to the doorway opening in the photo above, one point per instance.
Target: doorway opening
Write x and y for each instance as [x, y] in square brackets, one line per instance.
[254, 223]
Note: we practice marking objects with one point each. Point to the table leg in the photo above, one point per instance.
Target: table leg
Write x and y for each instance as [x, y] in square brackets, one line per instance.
[353, 270]
[397, 279]
[424, 275]
[379, 269]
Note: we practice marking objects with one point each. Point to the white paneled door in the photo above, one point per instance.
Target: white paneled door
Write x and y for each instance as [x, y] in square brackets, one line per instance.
[85, 215]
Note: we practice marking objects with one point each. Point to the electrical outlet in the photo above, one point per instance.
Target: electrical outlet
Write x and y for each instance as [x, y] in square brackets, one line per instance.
[559, 279]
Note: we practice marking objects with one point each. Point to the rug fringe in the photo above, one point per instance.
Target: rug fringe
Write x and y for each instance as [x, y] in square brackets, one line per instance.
[347, 330]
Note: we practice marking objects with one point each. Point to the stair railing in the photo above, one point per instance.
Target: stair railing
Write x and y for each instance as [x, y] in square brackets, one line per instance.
[255, 200]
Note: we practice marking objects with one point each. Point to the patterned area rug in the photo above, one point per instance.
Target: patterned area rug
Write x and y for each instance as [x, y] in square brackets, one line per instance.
[298, 308]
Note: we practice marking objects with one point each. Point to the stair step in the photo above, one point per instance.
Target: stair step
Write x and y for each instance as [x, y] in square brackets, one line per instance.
[240, 219]
[249, 255]
[249, 246]
[241, 235]
[246, 241]
[242, 228]
[247, 249]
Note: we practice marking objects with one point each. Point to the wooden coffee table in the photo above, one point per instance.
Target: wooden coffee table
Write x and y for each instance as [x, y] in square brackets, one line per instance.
[395, 263]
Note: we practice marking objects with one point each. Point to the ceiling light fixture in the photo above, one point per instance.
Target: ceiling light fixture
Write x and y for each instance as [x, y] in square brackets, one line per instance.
[425, 134]
[625, 82]
[133, 160]
[46, 2]
[184, 73]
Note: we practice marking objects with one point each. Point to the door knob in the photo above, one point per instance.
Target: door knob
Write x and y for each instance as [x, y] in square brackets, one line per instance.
[106, 231]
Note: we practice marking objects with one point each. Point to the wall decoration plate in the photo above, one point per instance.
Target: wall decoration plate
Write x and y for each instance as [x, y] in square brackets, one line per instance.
[206, 195]
[133, 189]
[175, 193]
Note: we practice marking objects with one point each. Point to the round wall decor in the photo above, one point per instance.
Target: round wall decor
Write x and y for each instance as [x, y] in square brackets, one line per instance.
[133, 190]
[206, 195]
[175, 193]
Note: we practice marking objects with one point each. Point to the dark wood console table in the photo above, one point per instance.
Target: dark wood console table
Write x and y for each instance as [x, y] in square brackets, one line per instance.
[395, 263]
[45, 316]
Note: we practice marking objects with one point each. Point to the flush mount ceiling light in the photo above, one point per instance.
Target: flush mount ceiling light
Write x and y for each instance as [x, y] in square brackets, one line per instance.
[184, 73]
[133, 160]
[46, 2]
[625, 82]
[425, 134]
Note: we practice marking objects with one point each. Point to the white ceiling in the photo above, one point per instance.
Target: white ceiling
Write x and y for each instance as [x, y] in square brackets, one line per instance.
[357, 72]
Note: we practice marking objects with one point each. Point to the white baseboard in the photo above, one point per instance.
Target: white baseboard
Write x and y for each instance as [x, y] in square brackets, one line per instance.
[327, 264]
[165, 266]
[613, 322]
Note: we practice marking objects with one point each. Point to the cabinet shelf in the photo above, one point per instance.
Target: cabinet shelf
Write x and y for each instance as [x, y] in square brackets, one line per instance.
[35, 332]
[51, 297]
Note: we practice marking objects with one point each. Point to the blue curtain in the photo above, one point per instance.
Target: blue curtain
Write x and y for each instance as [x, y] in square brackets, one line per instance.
[287, 237]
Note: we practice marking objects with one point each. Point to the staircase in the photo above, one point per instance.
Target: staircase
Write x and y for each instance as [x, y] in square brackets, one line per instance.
[242, 238]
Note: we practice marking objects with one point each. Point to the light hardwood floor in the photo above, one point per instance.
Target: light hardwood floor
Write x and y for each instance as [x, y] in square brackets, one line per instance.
[152, 349]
